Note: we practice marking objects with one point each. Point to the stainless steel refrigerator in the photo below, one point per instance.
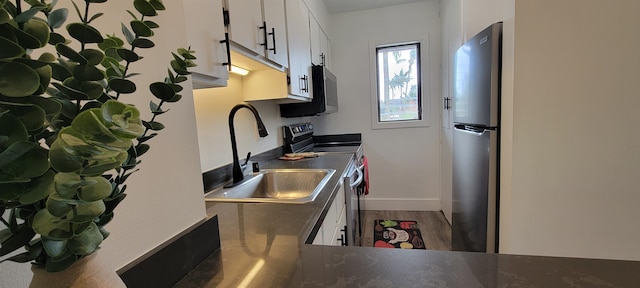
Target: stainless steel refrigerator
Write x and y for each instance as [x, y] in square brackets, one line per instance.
[476, 138]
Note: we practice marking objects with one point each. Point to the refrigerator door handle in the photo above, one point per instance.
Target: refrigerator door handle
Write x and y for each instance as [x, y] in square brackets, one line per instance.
[478, 131]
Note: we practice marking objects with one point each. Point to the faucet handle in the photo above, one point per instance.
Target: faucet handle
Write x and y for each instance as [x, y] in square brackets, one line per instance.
[246, 161]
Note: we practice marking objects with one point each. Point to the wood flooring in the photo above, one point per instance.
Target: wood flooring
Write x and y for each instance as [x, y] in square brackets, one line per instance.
[435, 230]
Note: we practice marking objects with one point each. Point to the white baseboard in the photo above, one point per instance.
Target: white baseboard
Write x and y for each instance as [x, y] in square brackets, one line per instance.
[402, 204]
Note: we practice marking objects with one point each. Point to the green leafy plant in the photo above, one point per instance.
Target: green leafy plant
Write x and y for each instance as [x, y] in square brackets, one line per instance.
[68, 142]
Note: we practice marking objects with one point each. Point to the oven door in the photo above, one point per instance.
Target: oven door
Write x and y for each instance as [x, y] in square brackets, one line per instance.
[352, 181]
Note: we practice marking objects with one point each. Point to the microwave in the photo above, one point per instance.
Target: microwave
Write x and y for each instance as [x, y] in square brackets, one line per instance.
[325, 96]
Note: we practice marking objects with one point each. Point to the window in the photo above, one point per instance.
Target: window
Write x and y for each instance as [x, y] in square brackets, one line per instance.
[398, 100]
[398, 83]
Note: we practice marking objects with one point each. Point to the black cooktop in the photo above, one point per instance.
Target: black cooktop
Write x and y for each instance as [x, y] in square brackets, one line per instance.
[299, 138]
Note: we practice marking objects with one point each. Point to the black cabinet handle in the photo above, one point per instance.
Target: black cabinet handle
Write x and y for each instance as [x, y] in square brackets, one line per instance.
[225, 17]
[447, 103]
[273, 37]
[264, 35]
[344, 233]
[304, 83]
[322, 59]
[226, 41]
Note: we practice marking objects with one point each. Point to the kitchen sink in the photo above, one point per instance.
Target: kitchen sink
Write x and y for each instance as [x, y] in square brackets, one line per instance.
[296, 186]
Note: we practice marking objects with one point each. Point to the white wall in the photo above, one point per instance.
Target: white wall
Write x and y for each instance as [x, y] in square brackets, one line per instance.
[212, 115]
[404, 163]
[165, 196]
[574, 151]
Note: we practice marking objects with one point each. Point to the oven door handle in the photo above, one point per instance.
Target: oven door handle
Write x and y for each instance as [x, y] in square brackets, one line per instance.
[359, 179]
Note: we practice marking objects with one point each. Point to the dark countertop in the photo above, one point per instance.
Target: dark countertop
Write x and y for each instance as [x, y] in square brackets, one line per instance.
[263, 245]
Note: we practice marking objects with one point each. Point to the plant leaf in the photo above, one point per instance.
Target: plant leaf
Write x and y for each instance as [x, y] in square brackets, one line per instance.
[4, 16]
[21, 237]
[87, 211]
[123, 86]
[84, 33]
[87, 73]
[39, 30]
[128, 55]
[151, 24]
[27, 15]
[127, 34]
[87, 242]
[140, 28]
[68, 52]
[39, 189]
[157, 4]
[143, 43]
[95, 16]
[33, 252]
[72, 94]
[162, 91]
[153, 125]
[146, 138]
[77, 10]
[93, 56]
[10, 49]
[55, 38]
[57, 17]
[94, 189]
[145, 8]
[18, 80]
[54, 248]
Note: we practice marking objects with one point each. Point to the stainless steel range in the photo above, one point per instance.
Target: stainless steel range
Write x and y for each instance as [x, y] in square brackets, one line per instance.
[300, 138]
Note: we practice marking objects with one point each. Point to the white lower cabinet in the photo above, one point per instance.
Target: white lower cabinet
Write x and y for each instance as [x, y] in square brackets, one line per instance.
[332, 232]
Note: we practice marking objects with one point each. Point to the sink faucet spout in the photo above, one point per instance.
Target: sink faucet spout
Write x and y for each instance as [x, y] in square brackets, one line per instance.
[238, 174]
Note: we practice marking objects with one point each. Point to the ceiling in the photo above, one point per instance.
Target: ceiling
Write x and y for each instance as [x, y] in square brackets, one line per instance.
[339, 6]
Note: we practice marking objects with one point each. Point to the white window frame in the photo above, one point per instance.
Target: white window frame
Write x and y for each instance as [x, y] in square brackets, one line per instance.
[424, 83]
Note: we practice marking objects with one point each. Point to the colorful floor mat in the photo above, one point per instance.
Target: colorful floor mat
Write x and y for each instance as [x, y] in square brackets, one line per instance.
[397, 234]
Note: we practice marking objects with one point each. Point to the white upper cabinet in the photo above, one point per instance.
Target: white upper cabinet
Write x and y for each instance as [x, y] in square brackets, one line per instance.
[325, 50]
[206, 36]
[245, 24]
[274, 15]
[260, 27]
[320, 44]
[299, 44]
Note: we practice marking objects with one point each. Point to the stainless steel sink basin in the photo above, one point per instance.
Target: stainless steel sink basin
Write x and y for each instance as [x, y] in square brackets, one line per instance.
[295, 186]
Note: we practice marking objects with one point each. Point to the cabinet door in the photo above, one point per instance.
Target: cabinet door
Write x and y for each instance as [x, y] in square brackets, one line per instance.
[325, 50]
[339, 233]
[245, 20]
[329, 224]
[299, 48]
[341, 229]
[316, 46]
[205, 34]
[274, 16]
[320, 45]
